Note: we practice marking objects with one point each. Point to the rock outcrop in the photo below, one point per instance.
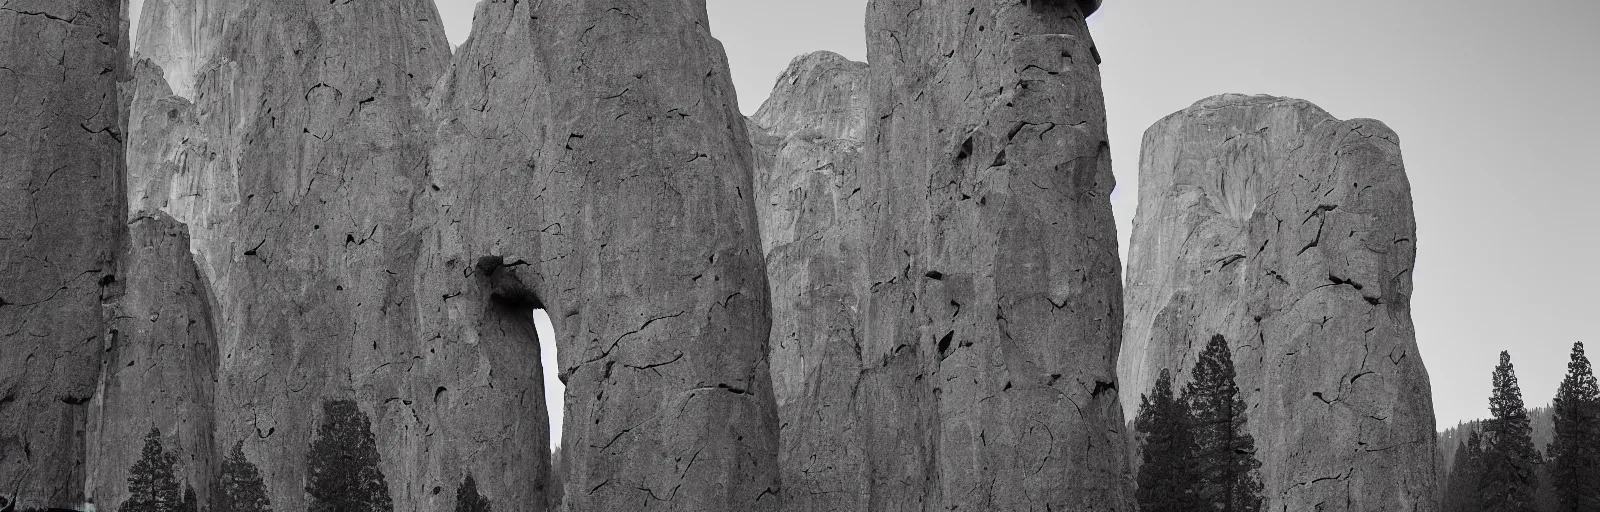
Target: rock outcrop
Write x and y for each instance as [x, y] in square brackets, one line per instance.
[808, 138]
[995, 308]
[296, 182]
[160, 367]
[61, 219]
[1291, 233]
[591, 162]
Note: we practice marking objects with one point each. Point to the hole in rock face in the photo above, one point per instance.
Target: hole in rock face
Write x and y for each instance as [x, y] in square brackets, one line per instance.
[554, 389]
[518, 304]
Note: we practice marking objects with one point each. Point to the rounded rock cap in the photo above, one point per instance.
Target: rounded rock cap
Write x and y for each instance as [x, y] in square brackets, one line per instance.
[1089, 6]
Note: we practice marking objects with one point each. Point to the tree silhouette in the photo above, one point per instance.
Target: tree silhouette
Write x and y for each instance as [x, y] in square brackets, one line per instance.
[1510, 461]
[343, 471]
[1463, 493]
[468, 499]
[1168, 475]
[152, 482]
[1225, 454]
[1575, 451]
[191, 503]
[241, 488]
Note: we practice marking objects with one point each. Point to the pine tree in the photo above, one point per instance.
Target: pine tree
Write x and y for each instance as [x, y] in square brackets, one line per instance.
[1225, 453]
[343, 471]
[468, 499]
[241, 487]
[1510, 461]
[152, 482]
[191, 503]
[1575, 452]
[1168, 476]
[1463, 493]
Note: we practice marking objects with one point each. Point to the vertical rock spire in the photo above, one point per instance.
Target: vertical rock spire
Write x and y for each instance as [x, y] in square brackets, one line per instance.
[808, 138]
[995, 307]
[61, 219]
[1291, 233]
[292, 146]
[592, 162]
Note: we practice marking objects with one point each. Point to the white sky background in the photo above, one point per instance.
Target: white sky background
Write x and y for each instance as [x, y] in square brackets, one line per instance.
[1494, 102]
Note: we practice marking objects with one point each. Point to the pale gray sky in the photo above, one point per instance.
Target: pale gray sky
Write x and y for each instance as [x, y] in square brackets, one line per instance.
[1494, 102]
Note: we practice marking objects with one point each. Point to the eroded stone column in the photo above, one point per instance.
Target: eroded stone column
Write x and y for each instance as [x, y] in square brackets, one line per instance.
[995, 309]
[61, 219]
[1290, 233]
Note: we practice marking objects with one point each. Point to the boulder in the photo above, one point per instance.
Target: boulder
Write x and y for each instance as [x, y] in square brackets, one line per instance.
[1290, 233]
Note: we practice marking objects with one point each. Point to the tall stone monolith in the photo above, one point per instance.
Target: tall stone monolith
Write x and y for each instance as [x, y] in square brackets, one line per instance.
[592, 162]
[295, 141]
[994, 309]
[1290, 233]
[61, 222]
[808, 138]
[160, 367]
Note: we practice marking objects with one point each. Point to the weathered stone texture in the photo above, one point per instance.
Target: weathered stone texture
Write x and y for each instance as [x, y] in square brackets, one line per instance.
[160, 367]
[591, 157]
[61, 218]
[296, 180]
[1291, 233]
[994, 315]
[808, 138]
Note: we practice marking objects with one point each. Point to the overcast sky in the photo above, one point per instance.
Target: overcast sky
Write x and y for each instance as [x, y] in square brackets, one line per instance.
[1495, 107]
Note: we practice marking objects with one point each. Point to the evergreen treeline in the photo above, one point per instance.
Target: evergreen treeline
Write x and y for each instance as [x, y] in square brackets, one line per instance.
[1498, 467]
[1196, 454]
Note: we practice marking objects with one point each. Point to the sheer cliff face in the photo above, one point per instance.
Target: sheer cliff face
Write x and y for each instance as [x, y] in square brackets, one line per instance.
[994, 310]
[808, 138]
[296, 178]
[1291, 233]
[592, 162]
[160, 369]
[61, 217]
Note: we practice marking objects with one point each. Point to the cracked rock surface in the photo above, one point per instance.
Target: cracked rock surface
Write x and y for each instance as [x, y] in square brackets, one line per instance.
[61, 219]
[293, 159]
[808, 138]
[592, 162]
[994, 307]
[1291, 233]
[160, 367]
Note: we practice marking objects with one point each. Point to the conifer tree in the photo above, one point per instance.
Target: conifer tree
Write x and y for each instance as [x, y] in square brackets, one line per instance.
[1510, 460]
[343, 471]
[468, 499]
[1168, 476]
[241, 488]
[1225, 454]
[1463, 492]
[153, 482]
[1575, 451]
[191, 503]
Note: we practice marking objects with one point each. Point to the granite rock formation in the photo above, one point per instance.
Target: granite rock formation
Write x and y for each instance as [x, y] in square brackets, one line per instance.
[61, 219]
[808, 138]
[296, 180]
[994, 313]
[160, 367]
[1291, 233]
[591, 162]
